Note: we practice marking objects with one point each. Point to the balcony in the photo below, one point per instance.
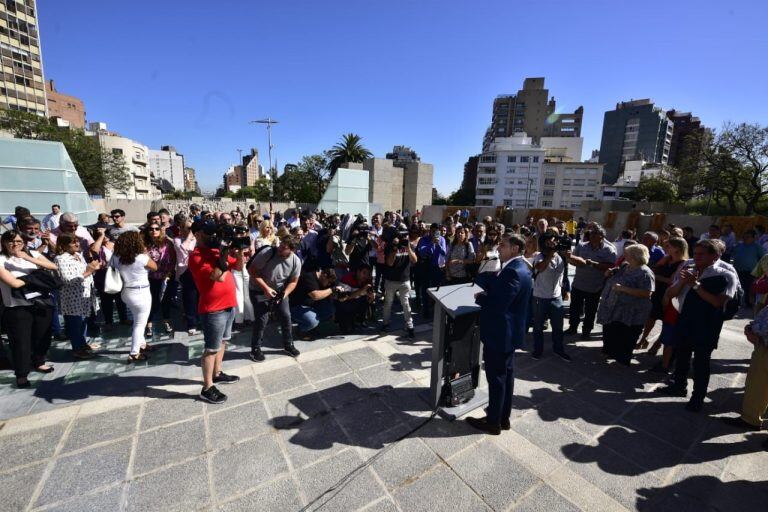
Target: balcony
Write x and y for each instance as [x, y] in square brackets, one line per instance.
[139, 158]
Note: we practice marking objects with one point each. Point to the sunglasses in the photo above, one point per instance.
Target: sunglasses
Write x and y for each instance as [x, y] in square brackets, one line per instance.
[116, 216]
[154, 229]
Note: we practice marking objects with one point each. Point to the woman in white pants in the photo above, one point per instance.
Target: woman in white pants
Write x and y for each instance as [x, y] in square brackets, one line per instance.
[133, 263]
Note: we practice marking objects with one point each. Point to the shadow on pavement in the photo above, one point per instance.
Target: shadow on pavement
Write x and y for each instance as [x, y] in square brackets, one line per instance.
[704, 493]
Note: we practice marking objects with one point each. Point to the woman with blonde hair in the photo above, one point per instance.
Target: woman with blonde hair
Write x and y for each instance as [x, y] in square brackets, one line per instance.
[134, 264]
[625, 304]
[267, 235]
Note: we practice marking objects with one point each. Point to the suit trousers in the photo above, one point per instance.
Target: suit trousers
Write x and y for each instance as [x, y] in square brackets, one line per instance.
[500, 376]
[702, 354]
[583, 302]
[755, 400]
[261, 312]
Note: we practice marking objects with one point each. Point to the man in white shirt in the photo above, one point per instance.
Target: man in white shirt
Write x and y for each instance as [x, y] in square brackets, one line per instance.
[548, 268]
[51, 221]
[71, 224]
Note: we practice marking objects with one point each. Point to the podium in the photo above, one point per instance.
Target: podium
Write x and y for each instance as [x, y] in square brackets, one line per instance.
[455, 347]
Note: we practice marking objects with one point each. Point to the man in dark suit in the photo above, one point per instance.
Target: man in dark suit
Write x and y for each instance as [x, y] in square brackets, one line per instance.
[504, 304]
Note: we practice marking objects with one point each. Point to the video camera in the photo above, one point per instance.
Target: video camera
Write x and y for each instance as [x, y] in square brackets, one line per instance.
[229, 236]
[400, 232]
[562, 242]
[360, 229]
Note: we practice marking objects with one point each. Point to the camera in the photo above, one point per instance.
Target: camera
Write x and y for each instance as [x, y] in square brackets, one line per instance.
[562, 242]
[232, 237]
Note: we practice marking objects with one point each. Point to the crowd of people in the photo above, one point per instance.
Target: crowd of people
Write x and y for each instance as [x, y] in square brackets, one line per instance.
[241, 269]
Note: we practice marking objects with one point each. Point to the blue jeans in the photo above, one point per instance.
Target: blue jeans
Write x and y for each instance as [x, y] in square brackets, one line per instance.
[77, 330]
[217, 327]
[56, 321]
[309, 317]
[555, 311]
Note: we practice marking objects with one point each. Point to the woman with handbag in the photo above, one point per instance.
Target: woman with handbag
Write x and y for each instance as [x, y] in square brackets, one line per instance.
[28, 324]
[162, 282]
[133, 264]
[77, 298]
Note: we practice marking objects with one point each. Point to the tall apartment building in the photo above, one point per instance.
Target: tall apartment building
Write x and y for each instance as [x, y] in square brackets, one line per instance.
[253, 171]
[190, 180]
[67, 110]
[635, 130]
[21, 64]
[167, 167]
[687, 136]
[509, 173]
[532, 111]
[136, 157]
[567, 184]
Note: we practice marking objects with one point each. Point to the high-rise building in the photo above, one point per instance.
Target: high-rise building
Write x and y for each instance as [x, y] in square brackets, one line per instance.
[402, 155]
[67, 110]
[567, 184]
[635, 130]
[21, 81]
[509, 173]
[532, 111]
[136, 158]
[252, 169]
[687, 137]
[190, 180]
[167, 167]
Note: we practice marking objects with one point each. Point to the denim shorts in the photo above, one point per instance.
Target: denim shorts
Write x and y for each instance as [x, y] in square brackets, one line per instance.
[217, 327]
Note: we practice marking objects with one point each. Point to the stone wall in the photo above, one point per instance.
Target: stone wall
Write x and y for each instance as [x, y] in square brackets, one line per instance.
[136, 209]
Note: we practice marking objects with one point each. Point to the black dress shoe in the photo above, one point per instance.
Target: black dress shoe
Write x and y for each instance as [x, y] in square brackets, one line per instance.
[481, 424]
[740, 423]
[694, 406]
[505, 425]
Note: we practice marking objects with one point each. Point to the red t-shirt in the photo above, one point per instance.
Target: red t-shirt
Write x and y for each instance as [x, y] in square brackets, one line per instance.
[214, 295]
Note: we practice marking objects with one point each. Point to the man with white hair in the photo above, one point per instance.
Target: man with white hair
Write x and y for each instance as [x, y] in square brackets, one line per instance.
[70, 223]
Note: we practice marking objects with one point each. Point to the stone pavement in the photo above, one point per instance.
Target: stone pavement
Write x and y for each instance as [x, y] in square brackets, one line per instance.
[322, 433]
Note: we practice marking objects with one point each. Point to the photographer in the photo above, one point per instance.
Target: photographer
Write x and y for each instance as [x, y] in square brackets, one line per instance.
[274, 273]
[312, 301]
[548, 269]
[359, 246]
[398, 258]
[431, 252]
[211, 264]
[352, 298]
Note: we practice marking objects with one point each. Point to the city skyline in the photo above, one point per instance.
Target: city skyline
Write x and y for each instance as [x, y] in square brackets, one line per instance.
[195, 85]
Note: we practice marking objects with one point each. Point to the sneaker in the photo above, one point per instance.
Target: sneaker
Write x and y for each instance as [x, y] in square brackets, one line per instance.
[384, 328]
[223, 378]
[191, 332]
[563, 356]
[213, 395]
[292, 351]
[257, 355]
[411, 333]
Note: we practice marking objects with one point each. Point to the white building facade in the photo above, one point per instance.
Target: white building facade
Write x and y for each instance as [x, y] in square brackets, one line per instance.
[567, 184]
[136, 157]
[167, 167]
[510, 173]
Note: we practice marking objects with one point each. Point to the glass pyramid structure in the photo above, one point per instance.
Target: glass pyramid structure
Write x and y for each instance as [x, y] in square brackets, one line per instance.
[37, 174]
[347, 193]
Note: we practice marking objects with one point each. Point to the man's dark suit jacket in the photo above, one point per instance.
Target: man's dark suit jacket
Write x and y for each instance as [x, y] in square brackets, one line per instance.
[504, 306]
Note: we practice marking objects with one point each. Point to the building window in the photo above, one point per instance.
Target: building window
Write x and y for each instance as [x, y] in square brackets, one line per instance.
[511, 159]
[535, 159]
[566, 181]
[488, 159]
[524, 159]
[20, 80]
[117, 151]
[546, 203]
[548, 193]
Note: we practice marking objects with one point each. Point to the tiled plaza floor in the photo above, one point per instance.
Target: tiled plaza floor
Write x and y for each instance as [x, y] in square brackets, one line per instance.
[321, 433]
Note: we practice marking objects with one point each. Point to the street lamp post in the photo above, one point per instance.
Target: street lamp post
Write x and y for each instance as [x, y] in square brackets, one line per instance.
[269, 122]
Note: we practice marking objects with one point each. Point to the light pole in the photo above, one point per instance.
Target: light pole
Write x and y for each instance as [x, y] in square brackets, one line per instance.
[269, 122]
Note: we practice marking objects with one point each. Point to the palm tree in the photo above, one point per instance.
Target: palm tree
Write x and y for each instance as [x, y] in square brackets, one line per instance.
[350, 149]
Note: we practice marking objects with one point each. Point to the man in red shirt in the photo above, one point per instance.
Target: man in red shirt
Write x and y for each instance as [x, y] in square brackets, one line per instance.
[211, 266]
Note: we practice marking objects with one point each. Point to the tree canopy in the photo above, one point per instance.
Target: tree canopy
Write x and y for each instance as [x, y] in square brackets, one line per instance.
[349, 149]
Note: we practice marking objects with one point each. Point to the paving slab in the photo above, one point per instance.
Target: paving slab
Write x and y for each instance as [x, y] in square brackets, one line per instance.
[404, 461]
[237, 423]
[169, 444]
[325, 368]
[170, 409]
[18, 487]
[245, 465]
[284, 379]
[105, 426]
[439, 489]
[29, 446]
[362, 358]
[545, 499]
[277, 496]
[84, 471]
[107, 499]
[177, 488]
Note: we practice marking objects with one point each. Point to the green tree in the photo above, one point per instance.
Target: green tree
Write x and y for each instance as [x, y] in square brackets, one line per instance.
[315, 170]
[655, 188]
[349, 149]
[259, 191]
[98, 170]
[462, 197]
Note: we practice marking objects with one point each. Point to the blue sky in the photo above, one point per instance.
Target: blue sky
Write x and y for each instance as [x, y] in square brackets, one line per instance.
[421, 73]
